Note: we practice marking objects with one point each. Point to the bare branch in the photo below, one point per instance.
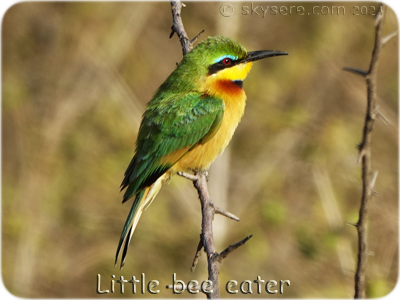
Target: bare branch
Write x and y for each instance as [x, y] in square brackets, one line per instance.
[216, 209]
[207, 233]
[225, 213]
[231, 248]
[193, 40]
[208, 209]
[178, 28]
[365, 156]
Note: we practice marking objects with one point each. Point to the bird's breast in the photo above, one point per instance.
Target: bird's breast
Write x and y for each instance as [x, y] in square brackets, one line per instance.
[201, 157]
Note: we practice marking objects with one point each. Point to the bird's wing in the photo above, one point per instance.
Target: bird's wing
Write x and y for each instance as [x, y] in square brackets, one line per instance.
[169, 129]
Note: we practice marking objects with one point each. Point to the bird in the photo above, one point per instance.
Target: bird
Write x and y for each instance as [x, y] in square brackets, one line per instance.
[189, 121]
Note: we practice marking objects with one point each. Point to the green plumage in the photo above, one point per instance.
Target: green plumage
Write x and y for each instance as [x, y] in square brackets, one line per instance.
[182, 121]
[179, 116]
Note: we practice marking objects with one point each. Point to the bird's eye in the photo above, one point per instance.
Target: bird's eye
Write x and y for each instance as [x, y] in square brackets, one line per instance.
[226, 61]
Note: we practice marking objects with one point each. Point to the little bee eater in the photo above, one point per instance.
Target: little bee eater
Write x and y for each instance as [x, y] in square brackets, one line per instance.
[189, 121]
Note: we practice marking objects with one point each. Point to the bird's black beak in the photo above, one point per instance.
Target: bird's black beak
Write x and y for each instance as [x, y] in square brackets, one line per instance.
[256, 55]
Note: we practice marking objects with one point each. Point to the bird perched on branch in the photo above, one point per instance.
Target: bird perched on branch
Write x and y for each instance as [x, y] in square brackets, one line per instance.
[188, 123]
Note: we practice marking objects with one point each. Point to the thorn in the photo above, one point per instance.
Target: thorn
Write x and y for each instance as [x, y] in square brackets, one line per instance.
[374, 193]
[352, 224]
[371, 253]
[380, 115]
[383, 118]
[360, 72]
[361, 155]
[229, 215]
[183, 4]
[373, 180]
[172, 32]
[193, 40]
[388, 37]
[231, 248]
[197, 255]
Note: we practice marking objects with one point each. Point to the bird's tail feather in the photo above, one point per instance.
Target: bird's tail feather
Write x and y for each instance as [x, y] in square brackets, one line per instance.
[142, 201]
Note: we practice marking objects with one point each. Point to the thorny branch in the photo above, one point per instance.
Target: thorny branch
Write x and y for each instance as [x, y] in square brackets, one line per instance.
[208, 209]
[364, 148]
[178, 28]
[200, 179]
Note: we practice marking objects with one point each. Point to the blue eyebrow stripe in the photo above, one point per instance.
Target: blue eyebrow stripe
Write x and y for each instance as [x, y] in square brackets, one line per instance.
[225, 56]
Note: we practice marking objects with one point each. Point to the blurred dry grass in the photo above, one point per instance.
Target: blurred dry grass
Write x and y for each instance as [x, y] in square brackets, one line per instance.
[76, 78]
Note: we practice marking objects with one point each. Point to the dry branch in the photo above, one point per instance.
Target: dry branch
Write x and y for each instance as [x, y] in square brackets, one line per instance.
[178, 28]
[208, 209]
[364, 148]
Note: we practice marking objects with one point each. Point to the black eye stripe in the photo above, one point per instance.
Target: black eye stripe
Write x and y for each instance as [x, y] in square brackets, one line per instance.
[214, 68]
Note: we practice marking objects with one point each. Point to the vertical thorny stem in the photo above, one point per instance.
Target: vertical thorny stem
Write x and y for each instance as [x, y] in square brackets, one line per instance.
[365, 155]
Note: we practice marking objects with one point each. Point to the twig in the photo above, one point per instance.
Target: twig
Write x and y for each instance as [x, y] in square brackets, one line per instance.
[208, 209]
[178, 28]
[197, 256]
[360, 72]
[207, 233]
[214, 258]
[229, 215]
[365, 156]
[217, 210]
[231, 248]
[193, 40]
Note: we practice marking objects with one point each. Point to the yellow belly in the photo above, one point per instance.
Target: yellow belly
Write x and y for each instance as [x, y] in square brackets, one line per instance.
[201, 157]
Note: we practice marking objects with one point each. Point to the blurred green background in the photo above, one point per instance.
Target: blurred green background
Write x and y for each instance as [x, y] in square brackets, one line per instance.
[75, 81]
